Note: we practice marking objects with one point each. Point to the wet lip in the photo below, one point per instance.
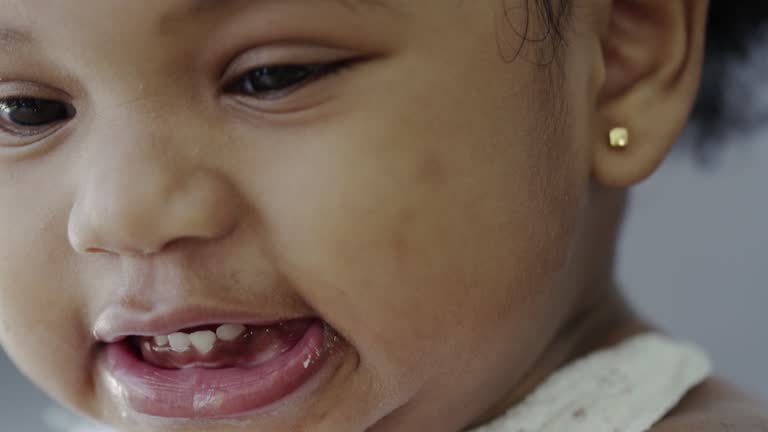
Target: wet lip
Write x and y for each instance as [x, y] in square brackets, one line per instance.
[196, 393]
[116, 325]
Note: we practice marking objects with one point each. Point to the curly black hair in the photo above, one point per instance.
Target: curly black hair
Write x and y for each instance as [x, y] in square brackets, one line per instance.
[734, 33]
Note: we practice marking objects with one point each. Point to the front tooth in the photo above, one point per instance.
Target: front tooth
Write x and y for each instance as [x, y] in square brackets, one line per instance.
[161, 340]
[203, 341]
[230, 332]
[179, 342]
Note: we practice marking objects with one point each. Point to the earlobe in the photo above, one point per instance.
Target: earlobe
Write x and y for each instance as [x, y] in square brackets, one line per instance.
[653, 53]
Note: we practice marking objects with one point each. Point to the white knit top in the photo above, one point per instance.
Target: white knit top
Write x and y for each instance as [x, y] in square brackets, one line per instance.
[628, 388]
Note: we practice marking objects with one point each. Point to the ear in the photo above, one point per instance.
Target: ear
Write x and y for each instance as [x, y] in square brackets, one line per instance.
[652, 52]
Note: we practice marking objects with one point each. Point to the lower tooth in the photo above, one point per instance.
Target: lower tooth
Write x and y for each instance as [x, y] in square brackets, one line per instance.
[180, 342]
[230, 332]
[161, 340]
[203, 341]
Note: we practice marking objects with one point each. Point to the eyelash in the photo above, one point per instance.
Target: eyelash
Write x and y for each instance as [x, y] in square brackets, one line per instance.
[302, 75]
[61, 112]
[299, 75]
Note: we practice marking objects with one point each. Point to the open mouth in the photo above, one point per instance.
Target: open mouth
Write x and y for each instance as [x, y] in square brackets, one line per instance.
[220, 346]
[217, 370]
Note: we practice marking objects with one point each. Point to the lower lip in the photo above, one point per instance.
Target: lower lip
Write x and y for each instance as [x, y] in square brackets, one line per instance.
[214, 393]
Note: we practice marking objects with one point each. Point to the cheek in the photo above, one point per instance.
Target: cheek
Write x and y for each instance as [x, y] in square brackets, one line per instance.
[413, 240]
[40, 324]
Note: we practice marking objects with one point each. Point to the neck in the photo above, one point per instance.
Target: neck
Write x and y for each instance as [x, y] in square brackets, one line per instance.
[601, 317]
[603, 324]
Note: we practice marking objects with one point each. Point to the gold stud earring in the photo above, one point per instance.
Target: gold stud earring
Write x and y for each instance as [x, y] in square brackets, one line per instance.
[619, 138]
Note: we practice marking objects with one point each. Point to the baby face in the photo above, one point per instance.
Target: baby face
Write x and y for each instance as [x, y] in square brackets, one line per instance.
[284, 215]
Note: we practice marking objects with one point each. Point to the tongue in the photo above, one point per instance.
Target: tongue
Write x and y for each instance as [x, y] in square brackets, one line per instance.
[254, 347]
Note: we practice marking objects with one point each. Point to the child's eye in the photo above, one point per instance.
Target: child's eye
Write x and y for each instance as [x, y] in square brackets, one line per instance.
[28, 116]
[273, 82]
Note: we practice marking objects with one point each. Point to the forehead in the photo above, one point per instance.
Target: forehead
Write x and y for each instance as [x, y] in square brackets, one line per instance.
[19, 17]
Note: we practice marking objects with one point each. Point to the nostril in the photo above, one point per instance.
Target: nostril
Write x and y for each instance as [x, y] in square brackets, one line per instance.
[122, 251]
[97, 250]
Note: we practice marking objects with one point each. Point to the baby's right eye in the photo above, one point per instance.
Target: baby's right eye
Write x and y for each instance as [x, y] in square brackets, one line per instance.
[28, 116]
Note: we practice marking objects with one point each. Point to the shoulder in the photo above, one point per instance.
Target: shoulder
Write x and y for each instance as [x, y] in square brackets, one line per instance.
[727, 419]
[716, 406]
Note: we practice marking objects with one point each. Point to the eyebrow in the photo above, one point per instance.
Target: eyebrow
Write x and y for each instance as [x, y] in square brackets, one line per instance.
[198, 7]
[10, 37]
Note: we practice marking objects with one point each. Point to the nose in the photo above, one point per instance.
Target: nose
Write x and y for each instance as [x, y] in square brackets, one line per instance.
[143, 193]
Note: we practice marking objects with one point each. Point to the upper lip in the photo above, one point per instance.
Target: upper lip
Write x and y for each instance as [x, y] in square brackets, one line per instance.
[117, 324]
